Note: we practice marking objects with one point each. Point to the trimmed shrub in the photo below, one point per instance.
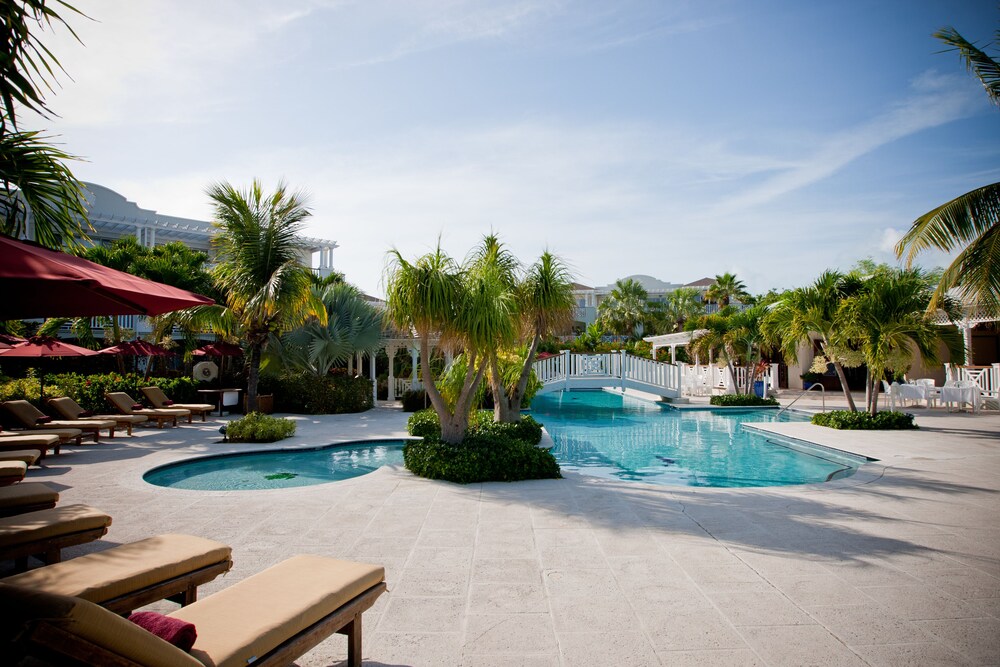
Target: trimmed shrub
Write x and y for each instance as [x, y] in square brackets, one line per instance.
[414, 399]
[490, 452]
[863, 421]
[258, 427]
[732, 400]
[306, 393]
[480, 459]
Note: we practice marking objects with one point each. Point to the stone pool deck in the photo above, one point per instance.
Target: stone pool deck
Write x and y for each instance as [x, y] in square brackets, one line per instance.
[899, 565]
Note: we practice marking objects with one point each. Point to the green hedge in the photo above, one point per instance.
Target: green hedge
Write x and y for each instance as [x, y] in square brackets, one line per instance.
[89, 390]
[425, 424]
[490, 452]
[258, 427]
[731, 400]
[414, 400]
[863, 421]
[305, 393]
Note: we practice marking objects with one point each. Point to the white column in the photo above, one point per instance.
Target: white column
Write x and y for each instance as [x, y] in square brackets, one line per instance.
[673, 354]
[967, 340]
[371, 374]
[414, 362]
[390, 351]
[566, 367]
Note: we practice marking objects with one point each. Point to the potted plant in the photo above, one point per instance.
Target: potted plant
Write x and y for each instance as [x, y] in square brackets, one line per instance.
[809, 379]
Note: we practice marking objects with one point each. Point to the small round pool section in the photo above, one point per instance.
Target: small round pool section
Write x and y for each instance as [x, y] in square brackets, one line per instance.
[278, 469]
[606, 434]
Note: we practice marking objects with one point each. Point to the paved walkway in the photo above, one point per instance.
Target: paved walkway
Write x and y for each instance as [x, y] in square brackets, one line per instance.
[899, 565]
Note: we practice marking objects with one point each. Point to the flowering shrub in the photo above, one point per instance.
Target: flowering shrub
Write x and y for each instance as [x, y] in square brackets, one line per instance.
[89, 390]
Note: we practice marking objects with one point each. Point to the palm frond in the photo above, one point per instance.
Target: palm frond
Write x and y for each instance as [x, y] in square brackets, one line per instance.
[976, 60]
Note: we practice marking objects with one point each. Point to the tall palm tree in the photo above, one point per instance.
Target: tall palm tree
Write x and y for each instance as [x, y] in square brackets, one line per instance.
[726, 288]
[887, 320]
[34, 178]
[682, 305]
[970, 221]
[622, 311]
[259, 270]
[805, 311]
[546, 306]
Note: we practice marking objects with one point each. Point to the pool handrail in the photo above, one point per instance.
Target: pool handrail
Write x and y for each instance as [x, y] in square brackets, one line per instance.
[804, 392]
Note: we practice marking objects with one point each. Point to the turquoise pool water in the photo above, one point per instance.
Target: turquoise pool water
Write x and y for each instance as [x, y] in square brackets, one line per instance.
[278, 469]
[610, 435]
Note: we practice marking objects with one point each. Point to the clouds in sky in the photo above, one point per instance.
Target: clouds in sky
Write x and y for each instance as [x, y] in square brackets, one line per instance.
[654, 190]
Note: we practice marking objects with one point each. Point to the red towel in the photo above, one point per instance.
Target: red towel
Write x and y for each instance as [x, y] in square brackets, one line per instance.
[179, 633]
[42, 420]
[86, 413]
[168, 403]
[137, 406]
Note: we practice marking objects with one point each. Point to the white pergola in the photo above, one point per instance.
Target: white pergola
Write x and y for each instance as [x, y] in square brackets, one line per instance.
[673, 341]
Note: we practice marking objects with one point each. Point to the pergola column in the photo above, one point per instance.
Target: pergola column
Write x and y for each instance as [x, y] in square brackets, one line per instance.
[390, 351]
[414, 360]
[371, 374]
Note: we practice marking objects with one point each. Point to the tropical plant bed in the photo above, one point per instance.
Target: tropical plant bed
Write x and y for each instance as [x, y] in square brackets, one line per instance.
[490, 452]
[742, 400]
[258, 427]
[863, 421]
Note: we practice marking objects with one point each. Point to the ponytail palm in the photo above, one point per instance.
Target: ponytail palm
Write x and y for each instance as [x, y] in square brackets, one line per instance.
[259, 270]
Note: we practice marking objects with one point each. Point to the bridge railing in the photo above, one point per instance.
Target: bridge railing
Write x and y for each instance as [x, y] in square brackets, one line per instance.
[617, 368]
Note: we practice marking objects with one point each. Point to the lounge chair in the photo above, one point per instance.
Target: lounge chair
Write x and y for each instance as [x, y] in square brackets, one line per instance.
[28, 456]
[43, 442]
[123, 403]
[28, 416]
[70, 409]
[26, 497]
[133, 575]
[271, 618]
[12, 472]
[44, 533]
[156, 396]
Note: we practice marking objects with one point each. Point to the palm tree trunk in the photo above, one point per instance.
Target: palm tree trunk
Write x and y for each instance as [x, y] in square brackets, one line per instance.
[253, 376]
[514, 404]
[501, 402]
[837, 366]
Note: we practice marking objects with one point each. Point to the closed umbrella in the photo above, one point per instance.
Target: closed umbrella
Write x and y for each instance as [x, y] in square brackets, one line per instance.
[44, 347]
[38, 282]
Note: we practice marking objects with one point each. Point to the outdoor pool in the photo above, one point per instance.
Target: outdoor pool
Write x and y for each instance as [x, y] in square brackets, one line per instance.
[278, 469]
[606, 434]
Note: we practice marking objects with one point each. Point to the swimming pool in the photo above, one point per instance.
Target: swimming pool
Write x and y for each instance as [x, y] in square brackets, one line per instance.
[278, 469]
[609, 435]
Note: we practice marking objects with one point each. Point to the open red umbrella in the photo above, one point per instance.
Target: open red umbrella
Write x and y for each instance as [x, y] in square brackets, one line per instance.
[38, 282]
[219, 349]
[138, 348]
[43, 346]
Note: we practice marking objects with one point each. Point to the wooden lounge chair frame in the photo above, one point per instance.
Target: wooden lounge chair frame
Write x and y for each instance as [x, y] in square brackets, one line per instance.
[128, 421]
[153, 395]
[43, 449]
[14, 510]
[49, 550]
[160, 417]
[89, 427]
[64, 647]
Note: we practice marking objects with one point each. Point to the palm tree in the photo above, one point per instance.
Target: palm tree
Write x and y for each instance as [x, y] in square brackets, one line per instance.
[726, 288]
[683, 304]
[259, 270]
[887, 319]
[352, 325]
[970, 221]
[546, 306]
[622, 311]
[805, 311]
[33, 175]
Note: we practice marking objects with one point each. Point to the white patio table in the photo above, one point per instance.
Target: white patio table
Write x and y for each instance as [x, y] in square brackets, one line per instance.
[961, 396]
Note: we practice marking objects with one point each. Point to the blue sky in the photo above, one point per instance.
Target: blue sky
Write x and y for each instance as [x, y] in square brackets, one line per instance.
[677, 139]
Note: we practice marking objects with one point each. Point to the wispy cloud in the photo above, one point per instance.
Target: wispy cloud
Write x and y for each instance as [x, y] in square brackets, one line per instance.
[934, 100]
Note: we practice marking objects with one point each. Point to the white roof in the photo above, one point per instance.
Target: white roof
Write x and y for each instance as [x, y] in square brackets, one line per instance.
[674, 339]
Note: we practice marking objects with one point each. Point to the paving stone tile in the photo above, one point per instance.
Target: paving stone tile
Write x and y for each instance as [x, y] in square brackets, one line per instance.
[510, 660]
[435, 614]
[820, 589]
[509, 634]
[613, 614]
[690, 629]
[976, 638]
[416, 649]
[797, 645]
[714, 658]
[507, 570]
[755, 604]
[438, 558]
[912, 655]
[500, 598]
[431, 583]
[446, 538]
[565, 537]
[858, 625]
[572, 557]
[919, 603]
[580, 583]
[606, 648]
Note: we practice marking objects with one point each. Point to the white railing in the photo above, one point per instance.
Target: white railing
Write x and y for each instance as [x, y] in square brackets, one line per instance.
[987, 378]
[405, 384]
[612, 369]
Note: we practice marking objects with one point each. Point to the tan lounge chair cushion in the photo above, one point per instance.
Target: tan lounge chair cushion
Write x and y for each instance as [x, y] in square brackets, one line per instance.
[124, 403]
[29, 456]
[159, 400]
[28, 415]
[43, 524]
[27, 493]
[8, 439]
[24, 610]
[61, 433]
[252, 617]
[109, 574]
[70, 409]
[13, 469]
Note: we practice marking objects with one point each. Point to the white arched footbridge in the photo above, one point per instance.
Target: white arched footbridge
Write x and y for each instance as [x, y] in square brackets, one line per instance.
[617, 370]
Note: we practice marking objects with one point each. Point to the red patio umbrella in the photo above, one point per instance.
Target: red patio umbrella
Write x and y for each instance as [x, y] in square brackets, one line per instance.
[219, 349]
[138, 348]
[43, 346]
[38, 282]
